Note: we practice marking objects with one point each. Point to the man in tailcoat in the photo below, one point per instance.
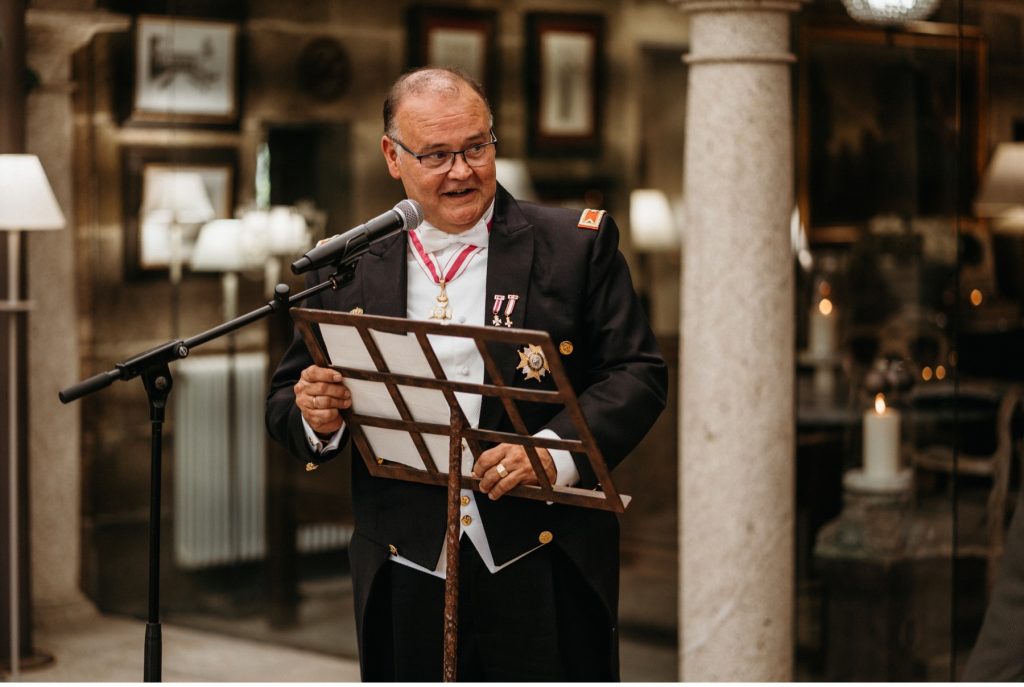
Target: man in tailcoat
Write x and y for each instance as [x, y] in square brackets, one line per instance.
[538, 582]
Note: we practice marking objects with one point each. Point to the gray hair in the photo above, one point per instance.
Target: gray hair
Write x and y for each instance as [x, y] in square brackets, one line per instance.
[441, 80]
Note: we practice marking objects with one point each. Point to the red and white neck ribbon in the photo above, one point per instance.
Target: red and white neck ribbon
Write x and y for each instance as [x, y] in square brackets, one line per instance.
[452, 270]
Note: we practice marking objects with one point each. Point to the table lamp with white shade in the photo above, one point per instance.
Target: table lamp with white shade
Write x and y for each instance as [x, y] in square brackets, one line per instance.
[27, 203]
[652, 227]
[1001, 198]
[174, 199]
[655, 238]
[283, 232]
[514, 176]
[1002, 187]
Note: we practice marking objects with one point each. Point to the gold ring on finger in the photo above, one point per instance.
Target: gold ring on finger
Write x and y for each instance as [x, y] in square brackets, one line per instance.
[501, 470]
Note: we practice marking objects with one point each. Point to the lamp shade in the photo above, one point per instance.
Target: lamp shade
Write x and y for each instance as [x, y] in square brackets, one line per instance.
[26, 199]
[1002, 188]
[179, 193]
[650, 221]
[225, 246]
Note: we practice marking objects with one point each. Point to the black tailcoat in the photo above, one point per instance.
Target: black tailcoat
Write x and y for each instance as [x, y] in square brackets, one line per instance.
[574, 284]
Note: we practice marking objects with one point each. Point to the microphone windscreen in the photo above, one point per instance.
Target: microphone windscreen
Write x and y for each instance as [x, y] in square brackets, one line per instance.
[411, 212]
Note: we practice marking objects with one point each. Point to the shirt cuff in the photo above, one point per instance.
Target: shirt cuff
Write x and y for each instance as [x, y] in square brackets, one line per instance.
[566, 473]
[318, 445]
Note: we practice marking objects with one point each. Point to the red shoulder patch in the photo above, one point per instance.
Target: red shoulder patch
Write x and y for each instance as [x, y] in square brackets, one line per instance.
[591, 219]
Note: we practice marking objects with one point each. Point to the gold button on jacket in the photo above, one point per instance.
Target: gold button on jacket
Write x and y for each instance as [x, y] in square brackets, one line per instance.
[466, 520]
[545, 537]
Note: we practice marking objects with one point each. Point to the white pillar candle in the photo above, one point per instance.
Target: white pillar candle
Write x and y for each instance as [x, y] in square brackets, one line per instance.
[881, 440]
[821, 337]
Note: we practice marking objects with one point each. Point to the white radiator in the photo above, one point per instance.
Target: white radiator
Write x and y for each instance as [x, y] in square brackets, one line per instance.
[220, 504]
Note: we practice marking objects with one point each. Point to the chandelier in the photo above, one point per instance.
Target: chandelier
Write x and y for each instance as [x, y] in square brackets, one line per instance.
[889, 11]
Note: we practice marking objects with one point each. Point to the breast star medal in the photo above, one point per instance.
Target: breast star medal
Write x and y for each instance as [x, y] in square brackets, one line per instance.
[532, 362]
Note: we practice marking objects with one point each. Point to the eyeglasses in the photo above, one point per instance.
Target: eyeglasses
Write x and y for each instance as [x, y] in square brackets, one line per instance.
[441, 161]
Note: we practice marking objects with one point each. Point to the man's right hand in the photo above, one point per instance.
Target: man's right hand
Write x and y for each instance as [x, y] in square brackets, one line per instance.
[319, 393]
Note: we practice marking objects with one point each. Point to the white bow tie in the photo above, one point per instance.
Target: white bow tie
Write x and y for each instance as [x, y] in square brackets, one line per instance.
[434, 239]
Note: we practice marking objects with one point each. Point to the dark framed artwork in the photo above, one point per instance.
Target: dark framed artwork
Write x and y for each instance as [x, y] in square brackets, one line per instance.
[185, 70]
[147, 173]
[456, 37]
[564, 83]
[878, 126]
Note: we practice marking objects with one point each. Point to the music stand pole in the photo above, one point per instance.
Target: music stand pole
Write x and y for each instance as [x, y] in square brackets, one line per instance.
[451, 577]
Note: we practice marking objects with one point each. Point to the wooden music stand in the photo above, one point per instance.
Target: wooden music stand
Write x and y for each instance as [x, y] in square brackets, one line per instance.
[341, 333]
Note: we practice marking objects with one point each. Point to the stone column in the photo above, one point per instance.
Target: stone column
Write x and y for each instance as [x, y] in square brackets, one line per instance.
[54, 430]
[737, 415]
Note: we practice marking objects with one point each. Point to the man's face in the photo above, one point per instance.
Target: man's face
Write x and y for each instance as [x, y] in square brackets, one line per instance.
[453, 201]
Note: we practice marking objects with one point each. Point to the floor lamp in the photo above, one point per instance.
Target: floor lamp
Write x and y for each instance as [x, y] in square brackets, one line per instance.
[27, 203]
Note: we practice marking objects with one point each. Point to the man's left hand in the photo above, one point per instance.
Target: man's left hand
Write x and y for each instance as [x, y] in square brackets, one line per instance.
[517, 469]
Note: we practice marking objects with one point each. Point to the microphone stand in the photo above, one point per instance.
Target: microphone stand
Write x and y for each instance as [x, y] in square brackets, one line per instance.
[153, 367]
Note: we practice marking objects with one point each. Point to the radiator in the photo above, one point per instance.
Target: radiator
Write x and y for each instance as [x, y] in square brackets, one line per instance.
[220, 504]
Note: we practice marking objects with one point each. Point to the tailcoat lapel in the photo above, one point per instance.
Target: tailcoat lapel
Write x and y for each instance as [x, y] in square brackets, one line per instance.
[509, 264]
[382, 293]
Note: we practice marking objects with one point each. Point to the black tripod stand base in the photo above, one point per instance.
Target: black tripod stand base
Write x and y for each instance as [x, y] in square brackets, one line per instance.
[151, 671]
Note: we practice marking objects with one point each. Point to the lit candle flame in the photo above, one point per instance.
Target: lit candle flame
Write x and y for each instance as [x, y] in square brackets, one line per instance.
[825, 306]
[880, 403]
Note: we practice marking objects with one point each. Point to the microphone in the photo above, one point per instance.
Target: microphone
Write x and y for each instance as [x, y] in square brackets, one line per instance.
[405, 216]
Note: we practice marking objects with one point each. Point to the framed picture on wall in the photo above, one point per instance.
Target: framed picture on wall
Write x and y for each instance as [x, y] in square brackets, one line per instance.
[169, 193]
[185, 70]
[463, 38]
[564, 83]
[878, 131]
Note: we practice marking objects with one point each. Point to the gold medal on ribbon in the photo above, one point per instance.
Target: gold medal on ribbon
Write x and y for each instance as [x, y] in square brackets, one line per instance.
[532, 362]
[441, 311]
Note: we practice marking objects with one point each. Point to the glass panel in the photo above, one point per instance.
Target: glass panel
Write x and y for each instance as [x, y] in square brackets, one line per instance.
[902, 508]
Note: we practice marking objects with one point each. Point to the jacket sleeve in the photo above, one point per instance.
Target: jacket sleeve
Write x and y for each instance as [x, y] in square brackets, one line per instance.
[283, 420]
[626, 383]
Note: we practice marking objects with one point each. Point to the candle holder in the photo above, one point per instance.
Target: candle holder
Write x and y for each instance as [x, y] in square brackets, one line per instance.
[822, 353]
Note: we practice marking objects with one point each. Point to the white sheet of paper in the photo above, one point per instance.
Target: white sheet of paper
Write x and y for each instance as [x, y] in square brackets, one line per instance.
[345, 347]
[402, 354]
[397, 446]
[372, 399]
[426, 405]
